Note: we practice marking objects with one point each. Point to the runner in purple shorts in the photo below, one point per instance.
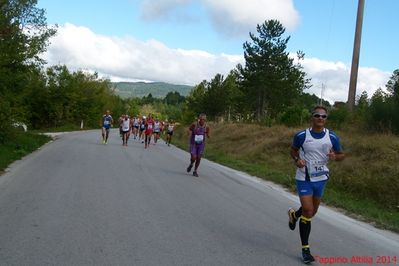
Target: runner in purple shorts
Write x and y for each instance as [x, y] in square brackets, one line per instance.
[199, 132]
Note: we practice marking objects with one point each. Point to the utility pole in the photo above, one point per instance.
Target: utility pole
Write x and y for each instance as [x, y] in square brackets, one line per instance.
[355, 56]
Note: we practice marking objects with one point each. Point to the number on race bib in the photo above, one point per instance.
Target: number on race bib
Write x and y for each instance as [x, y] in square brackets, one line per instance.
[199, 139]
[317, 168]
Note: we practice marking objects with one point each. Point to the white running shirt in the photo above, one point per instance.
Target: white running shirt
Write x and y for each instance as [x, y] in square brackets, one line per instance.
[315, 153]
[126, 125]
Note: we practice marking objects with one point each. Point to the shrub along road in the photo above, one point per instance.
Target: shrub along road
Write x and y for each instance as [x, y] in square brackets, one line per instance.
[78, 202]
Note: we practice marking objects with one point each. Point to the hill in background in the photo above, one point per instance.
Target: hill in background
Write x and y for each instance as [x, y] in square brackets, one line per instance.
[141, 89]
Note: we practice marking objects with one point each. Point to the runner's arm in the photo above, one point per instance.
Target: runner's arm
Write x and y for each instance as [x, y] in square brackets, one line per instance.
[295, 156]
[336, 154]
[190, 129]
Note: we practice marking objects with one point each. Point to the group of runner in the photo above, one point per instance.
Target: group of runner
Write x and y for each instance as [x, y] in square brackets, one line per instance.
[142, 128]
[311, 151]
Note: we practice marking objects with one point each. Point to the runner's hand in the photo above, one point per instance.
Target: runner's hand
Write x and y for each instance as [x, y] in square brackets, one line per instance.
[300, 163]
[331, 156]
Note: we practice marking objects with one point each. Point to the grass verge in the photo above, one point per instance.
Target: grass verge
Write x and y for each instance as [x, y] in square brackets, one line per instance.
[364, 186]
[20, 145]
[63, 128]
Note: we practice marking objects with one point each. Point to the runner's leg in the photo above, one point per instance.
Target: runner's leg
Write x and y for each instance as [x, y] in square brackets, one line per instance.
[305, 226]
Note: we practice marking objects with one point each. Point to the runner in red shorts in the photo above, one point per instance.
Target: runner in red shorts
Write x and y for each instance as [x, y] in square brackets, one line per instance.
[149, 127]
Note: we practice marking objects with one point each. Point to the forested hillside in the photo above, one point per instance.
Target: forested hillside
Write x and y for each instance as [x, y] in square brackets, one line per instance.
[141, 89]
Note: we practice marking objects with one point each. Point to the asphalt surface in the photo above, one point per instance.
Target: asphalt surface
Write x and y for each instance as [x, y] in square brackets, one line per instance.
[78, 202]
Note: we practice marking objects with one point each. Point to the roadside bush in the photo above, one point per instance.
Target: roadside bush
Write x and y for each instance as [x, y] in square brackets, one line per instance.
[294, 116]
[338, 117]
[6, 129]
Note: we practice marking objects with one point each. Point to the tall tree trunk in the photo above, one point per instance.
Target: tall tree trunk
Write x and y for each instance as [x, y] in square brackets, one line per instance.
[259, 106]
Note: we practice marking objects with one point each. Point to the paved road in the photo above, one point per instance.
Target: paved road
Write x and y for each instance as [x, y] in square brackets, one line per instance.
[77, 202]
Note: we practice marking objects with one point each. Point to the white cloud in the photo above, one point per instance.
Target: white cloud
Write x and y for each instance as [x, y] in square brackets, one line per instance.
[233, 18]
[335, 78]
[237, 17]
[154, 10]
[130, 59]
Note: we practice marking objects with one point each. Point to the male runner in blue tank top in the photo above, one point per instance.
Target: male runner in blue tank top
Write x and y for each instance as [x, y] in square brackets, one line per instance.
[106, 125]
[311, 150]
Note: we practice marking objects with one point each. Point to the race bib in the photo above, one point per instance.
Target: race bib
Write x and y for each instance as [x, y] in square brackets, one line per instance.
[198, 139]
[170, 128]
[149, 126]
[317, 168]
[106, 122]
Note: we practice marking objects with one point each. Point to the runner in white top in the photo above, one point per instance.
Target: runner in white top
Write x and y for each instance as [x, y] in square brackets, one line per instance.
[136, 125]
[170, 129]
[311, 150]
[157, 130]
[125, 126]
[142, 128]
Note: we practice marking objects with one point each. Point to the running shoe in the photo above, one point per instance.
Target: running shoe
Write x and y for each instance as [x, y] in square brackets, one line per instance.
[292, 221]
[306, 256]
[189, 168]
[103, 141]
[195, 174]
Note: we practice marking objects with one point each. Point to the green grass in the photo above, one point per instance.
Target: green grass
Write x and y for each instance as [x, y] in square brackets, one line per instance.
[18, 146]
[64, 128]
[365, 185]
[22, 143]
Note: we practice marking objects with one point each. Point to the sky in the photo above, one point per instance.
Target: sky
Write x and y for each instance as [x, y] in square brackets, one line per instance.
[188, 41]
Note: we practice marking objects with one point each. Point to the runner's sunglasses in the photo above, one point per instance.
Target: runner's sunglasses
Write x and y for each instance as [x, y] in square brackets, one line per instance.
[320, 116]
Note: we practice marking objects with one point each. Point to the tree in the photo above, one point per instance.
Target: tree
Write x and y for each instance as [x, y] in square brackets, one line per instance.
[379, 116]
[66, 98]
[393, 99]
[270, 79]
[194, 102]
[174, 98]
[24, 35]
[361, 109]
[222, 97]
[234, 107]
[37, 102]
[393, 84]
[215, 97]
[149, 99]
